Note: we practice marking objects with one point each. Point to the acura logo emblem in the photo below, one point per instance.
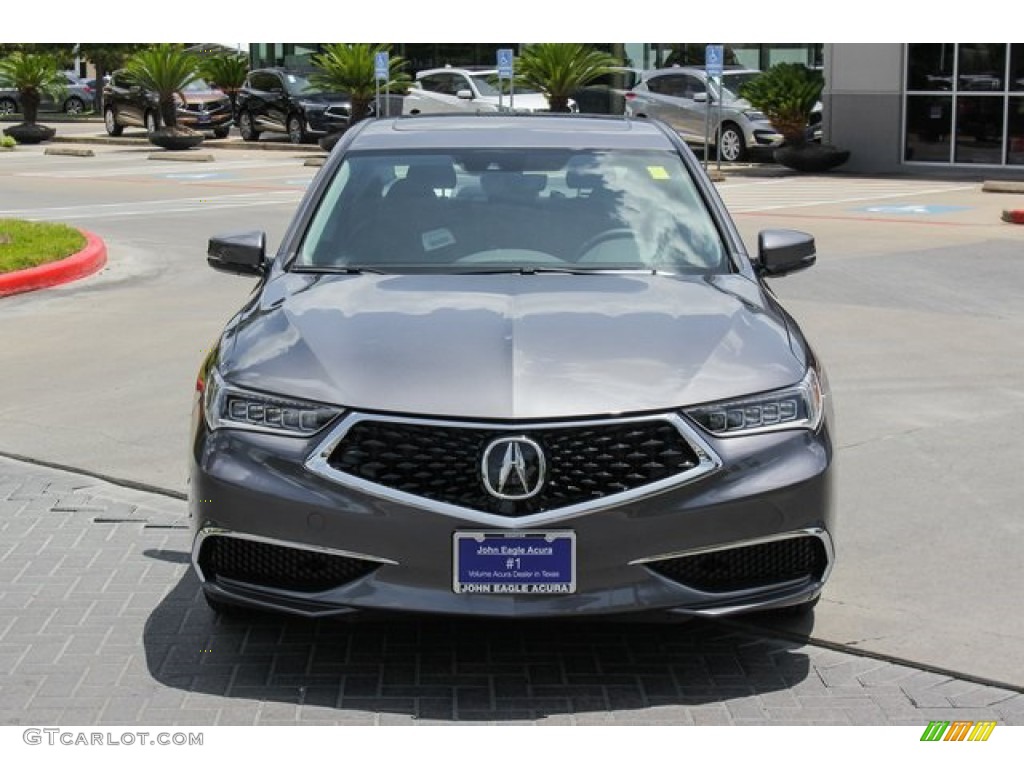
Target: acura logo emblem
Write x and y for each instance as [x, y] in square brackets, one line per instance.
[513, 468]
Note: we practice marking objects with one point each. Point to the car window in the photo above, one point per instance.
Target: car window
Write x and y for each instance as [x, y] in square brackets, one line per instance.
[481, 210]
[679, 86]
[442, 82]
[264, 81]
[122, 80]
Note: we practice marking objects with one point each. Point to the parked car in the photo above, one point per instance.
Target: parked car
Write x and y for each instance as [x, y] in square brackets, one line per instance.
[606, 95]
[281, 101]
[77, 98]
[129, 105]
[520, 366]
[450, 89]
[683, 97]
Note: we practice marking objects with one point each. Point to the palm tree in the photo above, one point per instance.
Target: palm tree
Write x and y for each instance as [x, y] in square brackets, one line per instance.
[165, 70]
[787, 94]
[558, 69]
[33, 75]
[349, 68]
[227, 72]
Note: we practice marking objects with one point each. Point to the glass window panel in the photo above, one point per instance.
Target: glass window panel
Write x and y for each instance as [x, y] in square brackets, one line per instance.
[929, 124]
[1015, 134]
[979, 129]
[1017, 67]
[981, 67]
[930, 67]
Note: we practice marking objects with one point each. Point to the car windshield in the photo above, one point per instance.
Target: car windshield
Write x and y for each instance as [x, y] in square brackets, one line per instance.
[297, 85]
[474, 210]
[197, 86]
[489, 85]
[732, 82]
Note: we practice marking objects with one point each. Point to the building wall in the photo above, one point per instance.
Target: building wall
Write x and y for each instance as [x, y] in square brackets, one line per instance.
[863, 103]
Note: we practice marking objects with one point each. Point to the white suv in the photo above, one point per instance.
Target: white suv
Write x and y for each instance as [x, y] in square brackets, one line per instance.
[448, 89]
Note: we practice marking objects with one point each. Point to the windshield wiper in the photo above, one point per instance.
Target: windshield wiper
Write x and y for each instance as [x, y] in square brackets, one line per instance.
[340, 270]
[539, 270]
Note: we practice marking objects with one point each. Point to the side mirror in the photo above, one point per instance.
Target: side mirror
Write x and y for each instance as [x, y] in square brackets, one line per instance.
[242, 253]
[702, 97]
[781, 251]
[464, 93]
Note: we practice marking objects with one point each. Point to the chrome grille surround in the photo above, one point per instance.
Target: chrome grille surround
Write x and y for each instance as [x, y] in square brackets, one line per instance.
[319, 463]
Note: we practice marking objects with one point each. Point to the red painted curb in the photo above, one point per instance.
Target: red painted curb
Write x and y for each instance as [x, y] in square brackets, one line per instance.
[88, 260]
[1014, 217]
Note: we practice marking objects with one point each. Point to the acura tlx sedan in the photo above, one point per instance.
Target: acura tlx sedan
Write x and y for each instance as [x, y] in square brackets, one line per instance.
[512, 366]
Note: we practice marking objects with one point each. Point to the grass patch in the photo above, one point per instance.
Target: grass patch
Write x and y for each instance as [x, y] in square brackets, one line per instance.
[25, 244]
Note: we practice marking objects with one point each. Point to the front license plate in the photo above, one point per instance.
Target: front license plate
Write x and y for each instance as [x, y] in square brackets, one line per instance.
[204, 118]
[521, 563]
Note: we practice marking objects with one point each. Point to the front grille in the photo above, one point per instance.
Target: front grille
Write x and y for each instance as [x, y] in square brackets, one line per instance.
[443, 463]
[756, 565]
[271, 565]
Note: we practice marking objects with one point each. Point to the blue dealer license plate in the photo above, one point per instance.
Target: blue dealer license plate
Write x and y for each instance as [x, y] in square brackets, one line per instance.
[521, 563]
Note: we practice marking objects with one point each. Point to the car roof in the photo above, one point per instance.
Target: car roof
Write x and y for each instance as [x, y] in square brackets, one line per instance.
[511, 131]
[470, 70]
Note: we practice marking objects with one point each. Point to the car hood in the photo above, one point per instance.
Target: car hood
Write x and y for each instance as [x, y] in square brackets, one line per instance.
[326, 99]
[510, 346]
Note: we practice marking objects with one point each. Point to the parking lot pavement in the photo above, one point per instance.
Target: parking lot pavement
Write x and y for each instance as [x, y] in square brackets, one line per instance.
[102, 623]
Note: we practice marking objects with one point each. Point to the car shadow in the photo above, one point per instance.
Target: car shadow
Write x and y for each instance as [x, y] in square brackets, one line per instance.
[454, 669]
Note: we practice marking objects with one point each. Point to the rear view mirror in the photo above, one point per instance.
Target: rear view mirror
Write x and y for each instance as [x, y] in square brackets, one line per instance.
[242, 253]
[781, 251]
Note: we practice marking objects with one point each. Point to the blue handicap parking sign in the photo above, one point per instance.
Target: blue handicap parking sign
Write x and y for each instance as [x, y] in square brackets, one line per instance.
[505, 63]
[714, 58]
[380, 65]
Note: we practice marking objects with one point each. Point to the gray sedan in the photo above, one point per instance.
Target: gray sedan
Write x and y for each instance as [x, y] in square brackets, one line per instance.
[516, 366]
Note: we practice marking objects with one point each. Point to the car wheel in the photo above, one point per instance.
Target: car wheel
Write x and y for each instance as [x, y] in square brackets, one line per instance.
[246, 128]
[296, 130]
[731, 143]
[8, 107]
[110, 122]
[221, 133]
[74, 106]
[150, 121]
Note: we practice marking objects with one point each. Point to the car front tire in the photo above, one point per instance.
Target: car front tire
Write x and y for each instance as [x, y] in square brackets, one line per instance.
[221, 133]
[296, 130]
[7, 107]
[732, 144]
[110, 122]
[246, 127]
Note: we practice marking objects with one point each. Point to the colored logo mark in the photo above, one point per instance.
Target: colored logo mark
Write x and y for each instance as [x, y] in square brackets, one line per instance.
[958, 730]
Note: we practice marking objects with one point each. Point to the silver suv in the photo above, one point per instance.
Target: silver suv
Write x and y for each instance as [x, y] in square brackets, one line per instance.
[681, 96]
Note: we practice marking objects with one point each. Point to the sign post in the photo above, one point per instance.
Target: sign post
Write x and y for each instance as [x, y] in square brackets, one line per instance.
[714, 59]
[506, 71]
[382, 71]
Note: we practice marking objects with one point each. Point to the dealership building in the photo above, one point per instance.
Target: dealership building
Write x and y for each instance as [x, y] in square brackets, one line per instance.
[942, 107]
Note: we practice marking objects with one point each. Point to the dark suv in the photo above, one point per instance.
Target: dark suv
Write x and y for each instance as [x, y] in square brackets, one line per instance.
[200, 107]
[280, 101]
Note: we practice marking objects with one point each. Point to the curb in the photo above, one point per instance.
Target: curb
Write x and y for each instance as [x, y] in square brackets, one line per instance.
[129, 141]
[1005, 187]
[88, 260]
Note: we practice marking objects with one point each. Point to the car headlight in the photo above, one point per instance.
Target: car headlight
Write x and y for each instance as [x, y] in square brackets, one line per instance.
[227, 406]
[754, 115]
[797, 407]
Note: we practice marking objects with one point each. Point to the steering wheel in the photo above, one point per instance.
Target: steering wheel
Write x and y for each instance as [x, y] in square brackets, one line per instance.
[616, 233]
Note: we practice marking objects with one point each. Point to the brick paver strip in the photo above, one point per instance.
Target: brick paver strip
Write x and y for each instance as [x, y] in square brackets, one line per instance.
[103, 623]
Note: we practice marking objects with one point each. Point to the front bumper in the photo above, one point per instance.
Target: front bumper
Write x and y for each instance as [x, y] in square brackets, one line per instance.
[253, 490]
